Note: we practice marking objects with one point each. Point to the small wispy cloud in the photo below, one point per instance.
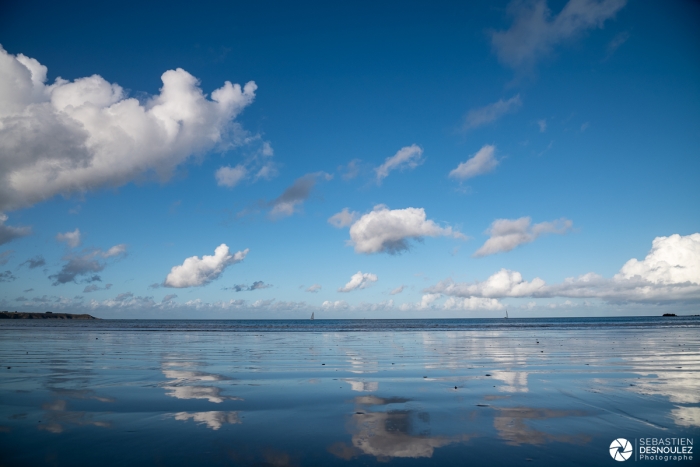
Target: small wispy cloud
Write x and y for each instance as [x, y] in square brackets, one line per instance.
[72, 239]
[359, 281]
[9, 233]
[506, 234]
[616, 42]
[35, 262]
[86, 264]
[480, 163]
[492, 112]
[291, 200]
[535, 31]
[257, 285]
[408, 157]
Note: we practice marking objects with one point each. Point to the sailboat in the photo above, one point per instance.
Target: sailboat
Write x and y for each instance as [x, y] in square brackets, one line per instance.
[506, 314]
[312, 315]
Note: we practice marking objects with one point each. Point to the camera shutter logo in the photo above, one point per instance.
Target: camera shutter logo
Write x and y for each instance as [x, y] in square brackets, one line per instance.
[621, 449]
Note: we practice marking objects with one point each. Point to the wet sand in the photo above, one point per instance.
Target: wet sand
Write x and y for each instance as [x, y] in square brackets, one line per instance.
[101, 396]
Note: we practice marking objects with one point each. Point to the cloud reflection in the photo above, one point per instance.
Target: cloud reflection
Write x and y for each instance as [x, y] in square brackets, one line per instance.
[362, 386]
[686, 416]
[390, 434]
[513, 427]
[57, 417]
[515, 381]
[179, 385]
[213, 419]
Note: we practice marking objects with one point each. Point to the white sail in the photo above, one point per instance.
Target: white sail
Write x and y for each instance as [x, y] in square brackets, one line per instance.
[312, 315]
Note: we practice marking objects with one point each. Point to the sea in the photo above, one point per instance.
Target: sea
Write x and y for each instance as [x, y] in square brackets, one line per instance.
[540, 391]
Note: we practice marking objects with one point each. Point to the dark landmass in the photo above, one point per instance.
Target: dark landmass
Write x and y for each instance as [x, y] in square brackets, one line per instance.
[47, 315]
[669, 314]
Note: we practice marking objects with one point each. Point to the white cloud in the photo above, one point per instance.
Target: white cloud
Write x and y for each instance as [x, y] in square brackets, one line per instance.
[406, 157]
[507, 234]
[9, 233]
[428, 299]
[116, 250]
[535, 32]
[342, 219]
[492, 112]
[504, 283]
[336, 305]
[385, 230]
[672, 260]
[197, 271]
[72, 239]
[669, 273]
[230, 176]
[74, 136]
[397, 290]
[359, 281]
[482, 162]
[267, 171]
[542, 124]
[472, 303]
[313, 288]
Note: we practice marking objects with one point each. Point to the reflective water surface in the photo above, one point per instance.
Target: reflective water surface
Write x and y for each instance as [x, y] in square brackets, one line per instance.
[341, 393]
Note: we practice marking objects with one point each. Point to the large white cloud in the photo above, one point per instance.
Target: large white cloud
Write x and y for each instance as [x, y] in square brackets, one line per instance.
[359, 281]
[73, 136]
[507, 234]
[534, 32]
[406, 157]
[482, 162]
[669, 273]
[672, 260]
[197, 271]
[389, 230]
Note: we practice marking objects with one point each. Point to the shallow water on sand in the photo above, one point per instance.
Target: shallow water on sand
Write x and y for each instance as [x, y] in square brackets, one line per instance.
[128, 393]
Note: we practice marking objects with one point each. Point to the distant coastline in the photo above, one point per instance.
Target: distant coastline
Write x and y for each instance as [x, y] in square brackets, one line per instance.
[46, 315]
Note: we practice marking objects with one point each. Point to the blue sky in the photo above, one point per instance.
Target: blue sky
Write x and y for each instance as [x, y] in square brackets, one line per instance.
[477, 156]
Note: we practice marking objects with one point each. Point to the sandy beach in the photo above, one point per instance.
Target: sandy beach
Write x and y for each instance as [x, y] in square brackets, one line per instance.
[134, 395]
